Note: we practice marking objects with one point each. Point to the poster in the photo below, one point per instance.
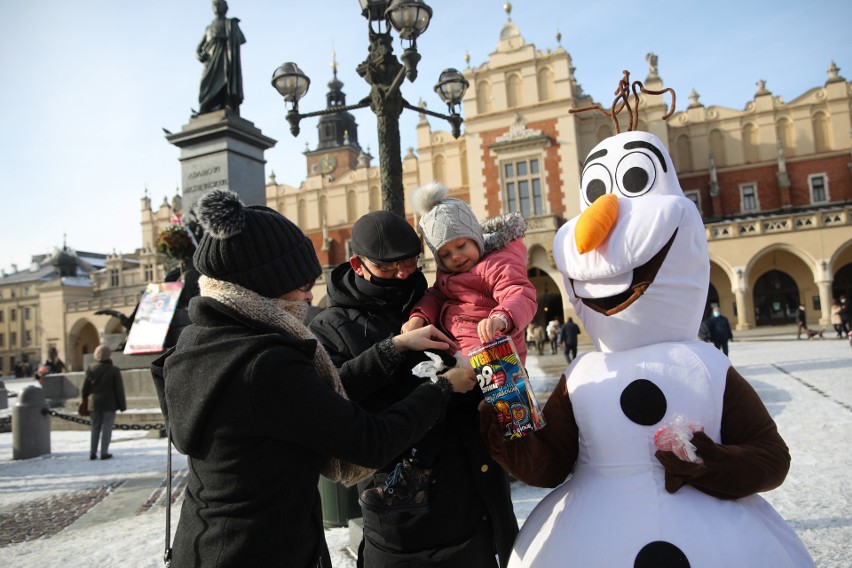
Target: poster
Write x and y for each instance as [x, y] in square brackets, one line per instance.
[153, 318]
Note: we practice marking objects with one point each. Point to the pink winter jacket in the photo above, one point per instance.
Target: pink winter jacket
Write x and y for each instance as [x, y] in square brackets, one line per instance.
[498, 283]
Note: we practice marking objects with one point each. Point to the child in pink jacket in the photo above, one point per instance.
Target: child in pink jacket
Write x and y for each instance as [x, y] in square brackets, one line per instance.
[481, 291]
[482, 288]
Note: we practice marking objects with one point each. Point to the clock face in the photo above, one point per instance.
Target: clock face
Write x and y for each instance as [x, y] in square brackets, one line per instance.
[327, 164]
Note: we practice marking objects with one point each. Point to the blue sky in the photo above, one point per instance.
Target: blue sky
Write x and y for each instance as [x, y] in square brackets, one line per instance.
[89, 85]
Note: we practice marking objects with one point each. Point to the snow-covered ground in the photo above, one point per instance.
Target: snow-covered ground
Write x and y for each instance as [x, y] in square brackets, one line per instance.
[807, 386]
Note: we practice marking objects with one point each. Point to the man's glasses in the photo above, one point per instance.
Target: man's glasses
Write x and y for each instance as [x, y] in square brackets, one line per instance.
[395, 266]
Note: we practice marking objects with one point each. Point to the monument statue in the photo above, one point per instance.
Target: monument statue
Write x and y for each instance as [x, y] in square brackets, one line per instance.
[219, 51]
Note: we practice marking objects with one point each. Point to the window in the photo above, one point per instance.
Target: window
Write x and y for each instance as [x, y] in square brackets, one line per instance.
[28, 337]
[695, 196]
[27, 314]
[819, 188]
[113, 277]
[13, 315]
[2, 340]
[522, 187]
[748, 197]
[148, 270]
[2, 313]
[13, 338]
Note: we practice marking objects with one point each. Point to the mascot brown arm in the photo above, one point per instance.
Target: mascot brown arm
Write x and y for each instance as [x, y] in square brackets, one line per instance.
[751, 458]
[543, 458]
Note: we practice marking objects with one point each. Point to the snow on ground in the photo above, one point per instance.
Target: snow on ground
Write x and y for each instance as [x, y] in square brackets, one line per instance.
[807, 386]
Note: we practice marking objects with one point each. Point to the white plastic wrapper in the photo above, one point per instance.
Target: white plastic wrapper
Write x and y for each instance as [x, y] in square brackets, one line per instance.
[429, 369]
[676, 438]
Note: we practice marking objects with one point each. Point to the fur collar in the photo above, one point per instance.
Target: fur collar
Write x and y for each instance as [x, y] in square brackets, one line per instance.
[501, 230]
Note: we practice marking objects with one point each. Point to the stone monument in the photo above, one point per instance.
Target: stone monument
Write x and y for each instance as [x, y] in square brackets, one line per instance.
[219, 148]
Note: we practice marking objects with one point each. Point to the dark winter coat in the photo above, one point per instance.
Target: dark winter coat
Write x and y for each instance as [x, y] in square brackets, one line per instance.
[470, 514]
[103, 382]
[719, 328]
[568, 334]
[243, 401]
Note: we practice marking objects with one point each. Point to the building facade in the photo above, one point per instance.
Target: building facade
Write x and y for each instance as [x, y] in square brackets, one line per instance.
[773, 182]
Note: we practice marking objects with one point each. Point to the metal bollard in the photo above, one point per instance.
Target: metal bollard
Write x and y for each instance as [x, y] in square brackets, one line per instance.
[30, 425]
[4, 396]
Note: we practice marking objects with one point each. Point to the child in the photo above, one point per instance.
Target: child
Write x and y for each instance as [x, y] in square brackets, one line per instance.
[481, 291]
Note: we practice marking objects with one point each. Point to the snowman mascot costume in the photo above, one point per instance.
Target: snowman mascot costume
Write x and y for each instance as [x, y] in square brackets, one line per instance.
[666, 444]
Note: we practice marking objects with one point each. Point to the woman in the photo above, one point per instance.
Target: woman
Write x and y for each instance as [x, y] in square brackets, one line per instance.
[103, 382]
[257, 405]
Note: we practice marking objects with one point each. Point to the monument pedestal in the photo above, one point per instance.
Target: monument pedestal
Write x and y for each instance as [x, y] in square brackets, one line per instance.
[221, 150]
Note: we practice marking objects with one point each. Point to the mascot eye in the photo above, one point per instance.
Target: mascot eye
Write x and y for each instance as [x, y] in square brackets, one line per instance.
[597, 181]
[635, 174]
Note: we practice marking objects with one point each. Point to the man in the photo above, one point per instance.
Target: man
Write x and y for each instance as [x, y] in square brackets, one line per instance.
[568, 339]
[720, 330]
[470, 516]
[219, 51]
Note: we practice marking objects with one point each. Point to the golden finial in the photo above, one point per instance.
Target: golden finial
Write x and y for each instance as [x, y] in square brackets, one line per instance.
[507, 7]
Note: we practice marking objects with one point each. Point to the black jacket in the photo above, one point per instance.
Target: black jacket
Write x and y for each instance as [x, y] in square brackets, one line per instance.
[103, 382]
[470, 514]
[244, 402]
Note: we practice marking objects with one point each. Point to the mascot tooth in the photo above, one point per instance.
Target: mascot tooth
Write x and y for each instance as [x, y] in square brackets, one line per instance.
[636, 268]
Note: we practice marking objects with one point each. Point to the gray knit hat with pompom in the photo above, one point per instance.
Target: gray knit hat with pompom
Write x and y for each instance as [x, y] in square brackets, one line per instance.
[444, 219]
[253, 246]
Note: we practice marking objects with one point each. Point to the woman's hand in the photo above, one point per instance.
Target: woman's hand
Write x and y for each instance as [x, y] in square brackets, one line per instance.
[423, 338]
[462, 379]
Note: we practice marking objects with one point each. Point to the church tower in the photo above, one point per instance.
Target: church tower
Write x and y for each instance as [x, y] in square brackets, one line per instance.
[338, 148]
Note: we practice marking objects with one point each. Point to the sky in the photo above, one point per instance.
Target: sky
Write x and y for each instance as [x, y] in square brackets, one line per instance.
[89, 85]
[804, 384]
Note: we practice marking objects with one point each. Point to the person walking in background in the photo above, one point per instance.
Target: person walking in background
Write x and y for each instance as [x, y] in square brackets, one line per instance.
[719, 330]
[802, 324]
[553, 329]
[568, 339]
[469, 515]
[845, 317]
[104, 384]
[257, 405]
[836, 320]
[536, 336]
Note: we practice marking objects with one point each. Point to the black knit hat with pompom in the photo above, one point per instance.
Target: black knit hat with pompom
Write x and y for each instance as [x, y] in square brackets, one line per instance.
[253, 246]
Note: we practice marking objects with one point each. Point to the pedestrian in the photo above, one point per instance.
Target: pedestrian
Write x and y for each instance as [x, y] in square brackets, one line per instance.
[845, 316]
[104, 384]
[719, 330]
[802, 325]
[469, 515]
[836, 320]
[554, 326]
[568, 339]
[257, 405]
[536, 336]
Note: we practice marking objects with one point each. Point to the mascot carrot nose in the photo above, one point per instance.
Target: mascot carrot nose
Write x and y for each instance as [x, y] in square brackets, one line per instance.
[596, 222]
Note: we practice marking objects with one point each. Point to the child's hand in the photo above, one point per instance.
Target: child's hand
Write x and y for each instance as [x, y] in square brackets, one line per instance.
[488, 328]
[415, 322]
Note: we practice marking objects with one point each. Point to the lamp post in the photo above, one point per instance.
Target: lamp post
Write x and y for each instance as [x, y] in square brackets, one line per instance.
[385, 74]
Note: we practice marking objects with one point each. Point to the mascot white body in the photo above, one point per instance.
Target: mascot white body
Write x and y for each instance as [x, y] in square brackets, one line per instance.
[640, 293]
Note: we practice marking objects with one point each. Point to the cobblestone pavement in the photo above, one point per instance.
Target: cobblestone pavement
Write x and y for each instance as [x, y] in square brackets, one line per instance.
[46, 517]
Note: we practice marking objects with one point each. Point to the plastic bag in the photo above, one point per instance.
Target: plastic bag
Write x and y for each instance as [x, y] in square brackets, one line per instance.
[676, 438]
[429, 369]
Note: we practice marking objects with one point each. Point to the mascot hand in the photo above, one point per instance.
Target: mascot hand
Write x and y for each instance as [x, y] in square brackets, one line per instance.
[679, 472]
[489, 426]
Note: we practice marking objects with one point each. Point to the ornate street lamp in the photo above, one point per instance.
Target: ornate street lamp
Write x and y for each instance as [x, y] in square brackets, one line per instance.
[384, 73]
